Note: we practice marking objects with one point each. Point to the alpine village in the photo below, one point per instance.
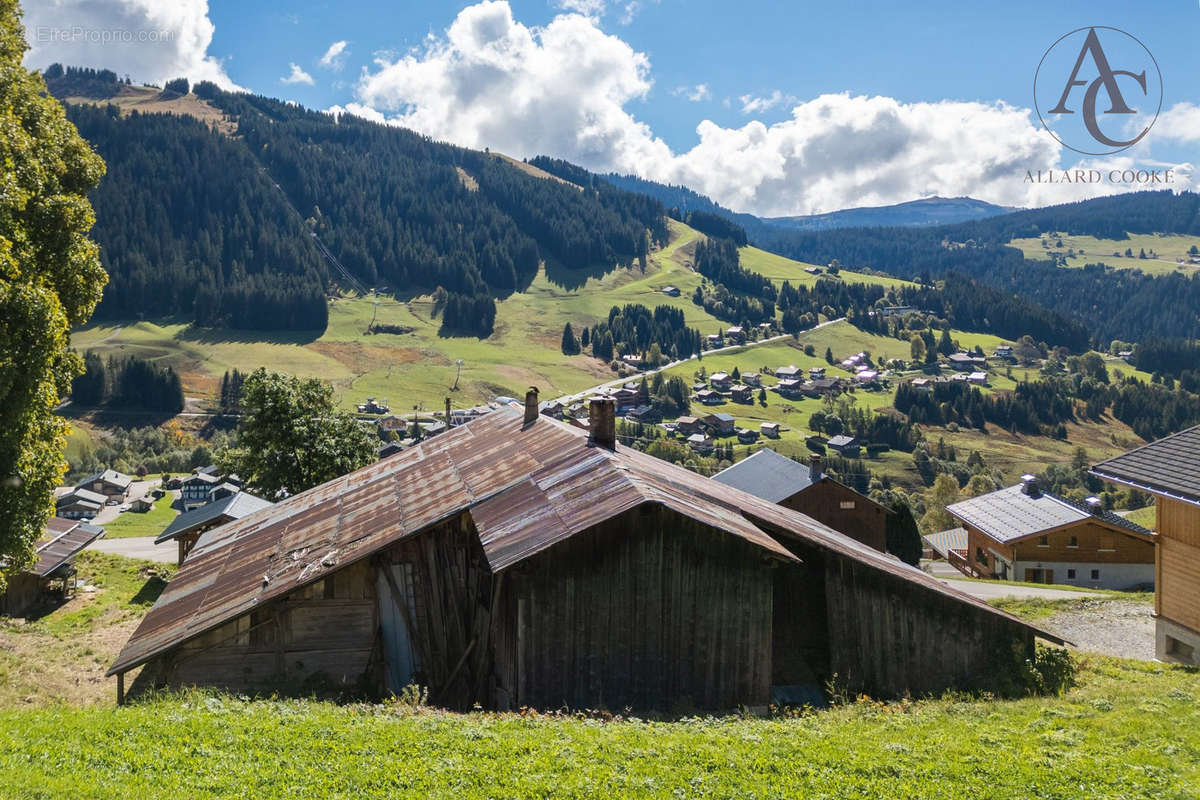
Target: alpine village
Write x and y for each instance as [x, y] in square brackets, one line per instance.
[343, 461]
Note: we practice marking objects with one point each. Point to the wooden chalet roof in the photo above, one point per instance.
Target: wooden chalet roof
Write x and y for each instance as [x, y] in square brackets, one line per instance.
[1009, 514]
[526, 487]
[1169, 467]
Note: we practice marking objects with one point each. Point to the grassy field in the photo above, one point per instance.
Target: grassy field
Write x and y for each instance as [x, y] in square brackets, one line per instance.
[1146, 517]
[1168, 250]
[142, 523]
[1128, 730]
[420, 367]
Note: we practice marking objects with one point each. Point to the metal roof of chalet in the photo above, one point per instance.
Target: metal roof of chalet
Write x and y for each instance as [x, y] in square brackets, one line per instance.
[1169, 467]
[768, 475]
[62, 539]
[526, 487]
[1009, 514]
[235, 506]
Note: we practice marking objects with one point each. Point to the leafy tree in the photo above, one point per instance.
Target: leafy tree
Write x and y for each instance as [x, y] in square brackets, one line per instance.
[292, 438]
[50, 281]
[902, 536]
[917, 348]
[944, 492]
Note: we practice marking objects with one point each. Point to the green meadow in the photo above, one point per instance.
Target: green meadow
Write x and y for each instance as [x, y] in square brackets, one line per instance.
[1169, 250]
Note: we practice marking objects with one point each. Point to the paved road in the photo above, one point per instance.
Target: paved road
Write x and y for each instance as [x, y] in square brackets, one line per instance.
[571, 398]
[138, 547]
[986, 590]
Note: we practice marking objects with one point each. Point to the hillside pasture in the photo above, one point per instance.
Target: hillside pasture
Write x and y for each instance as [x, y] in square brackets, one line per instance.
[1169, 249]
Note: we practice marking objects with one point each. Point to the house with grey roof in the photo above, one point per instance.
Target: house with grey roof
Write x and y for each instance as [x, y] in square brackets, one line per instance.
[1170, 470]
[109, 483]
[80, 504]
[807, 489]
[188, 526]
[1023, 533]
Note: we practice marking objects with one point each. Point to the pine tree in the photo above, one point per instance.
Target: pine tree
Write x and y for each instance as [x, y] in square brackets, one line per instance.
[570, 345]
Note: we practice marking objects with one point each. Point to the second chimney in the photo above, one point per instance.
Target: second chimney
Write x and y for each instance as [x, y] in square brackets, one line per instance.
[1095, 506]
[531, 405]
[602, 421]
[814, 467]
[1029, 485]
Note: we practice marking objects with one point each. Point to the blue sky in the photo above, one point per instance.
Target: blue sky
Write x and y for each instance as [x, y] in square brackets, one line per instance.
[773, 107]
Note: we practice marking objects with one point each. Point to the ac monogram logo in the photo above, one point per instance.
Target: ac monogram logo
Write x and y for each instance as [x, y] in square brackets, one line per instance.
[1093, 72]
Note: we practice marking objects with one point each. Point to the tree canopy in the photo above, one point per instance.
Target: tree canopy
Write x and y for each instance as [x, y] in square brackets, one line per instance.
[50, 280]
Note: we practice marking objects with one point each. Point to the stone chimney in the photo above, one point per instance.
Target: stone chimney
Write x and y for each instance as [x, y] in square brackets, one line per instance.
[1095, 506]
[531, 405]
[814, 467]
[602, 421]
[1029, 485]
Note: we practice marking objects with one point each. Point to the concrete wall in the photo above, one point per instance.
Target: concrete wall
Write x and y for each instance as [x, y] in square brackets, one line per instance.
[1112, 576]
[1173, 642]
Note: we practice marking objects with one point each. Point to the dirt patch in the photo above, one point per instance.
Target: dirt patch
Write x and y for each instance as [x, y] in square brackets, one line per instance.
[1112, 627]
[360, 358]
[41, 669]
[151, 101]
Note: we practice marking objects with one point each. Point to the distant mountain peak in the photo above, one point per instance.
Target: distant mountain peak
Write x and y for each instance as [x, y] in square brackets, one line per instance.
[925, 211]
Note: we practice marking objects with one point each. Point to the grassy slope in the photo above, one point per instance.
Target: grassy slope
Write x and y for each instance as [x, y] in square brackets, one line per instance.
[418, 368]
[1168, 248]
[1130, 730]
[142, 523]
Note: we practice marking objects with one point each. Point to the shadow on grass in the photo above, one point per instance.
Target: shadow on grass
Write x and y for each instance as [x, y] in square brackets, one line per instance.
[199, 335]
[149, 591]
[574, 278]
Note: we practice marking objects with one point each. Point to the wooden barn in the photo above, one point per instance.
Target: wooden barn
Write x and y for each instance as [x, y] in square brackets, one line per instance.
[51, 575]
[519, 561]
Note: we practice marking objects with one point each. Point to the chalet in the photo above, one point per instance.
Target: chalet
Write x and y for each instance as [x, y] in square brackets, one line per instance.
[223, 490]
[109, 483]
[736, 333]
[978, 378]
[372, 407]
[389, 449]
[816, 372]
[752, 379]
[632, 360]
[713, 340]
[519, 562]
[960, 377]
[720, 424]
[53, 571]
[141, 505]
[1168, 469]
[740, 393]
[689, 425]
[949, 545]
[813, 270]
[720, 381]
[644, 414]
[79, 504]
[747, 435]
[187, 527]
[897, 311]
[626, 398]
[671, 291]
[553, 409]
[966, 361]
[790, 371]
[194, 490]
[701, 443]
[822, 386]
[866, 377]
[790, 387]
[211, 469]
[770, 430]
[925, 384]
[433, 428]
[1004, 351]
[778, 479]
[709, 398]
[846, 445]
[392, 423]
[1026, 534]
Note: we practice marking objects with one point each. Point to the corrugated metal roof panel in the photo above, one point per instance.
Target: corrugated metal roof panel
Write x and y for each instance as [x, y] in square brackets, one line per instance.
[62, 539]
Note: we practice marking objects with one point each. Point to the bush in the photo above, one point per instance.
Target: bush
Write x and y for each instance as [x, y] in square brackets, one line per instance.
[1051, 671]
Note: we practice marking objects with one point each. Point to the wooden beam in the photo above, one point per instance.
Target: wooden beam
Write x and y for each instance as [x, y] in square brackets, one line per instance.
[120, 688]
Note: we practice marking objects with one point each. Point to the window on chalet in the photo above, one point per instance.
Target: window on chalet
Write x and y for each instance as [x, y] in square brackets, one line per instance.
[1073, 542]
[1095, 574]
[980, 556]
[846, 505]
[1070, 574]
[1043, 541]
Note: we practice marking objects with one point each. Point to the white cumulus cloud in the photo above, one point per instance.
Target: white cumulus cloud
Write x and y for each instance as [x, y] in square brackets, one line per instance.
[335, 56]
[1180, 122]
[566, 90]
[296, 75]
[146, 39]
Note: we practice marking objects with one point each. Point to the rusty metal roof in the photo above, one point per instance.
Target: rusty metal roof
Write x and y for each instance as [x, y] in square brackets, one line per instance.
[62, 539]
[526, 486]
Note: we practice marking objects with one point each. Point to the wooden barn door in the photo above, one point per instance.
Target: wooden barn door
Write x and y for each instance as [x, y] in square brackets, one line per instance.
[397, 609]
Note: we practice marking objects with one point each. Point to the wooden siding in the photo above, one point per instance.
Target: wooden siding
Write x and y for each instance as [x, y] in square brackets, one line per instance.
[865, 522]
[1177, 569]
[888, 639]
[320, 637]
[23, 592]
[649, 610]
[1096, 544]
